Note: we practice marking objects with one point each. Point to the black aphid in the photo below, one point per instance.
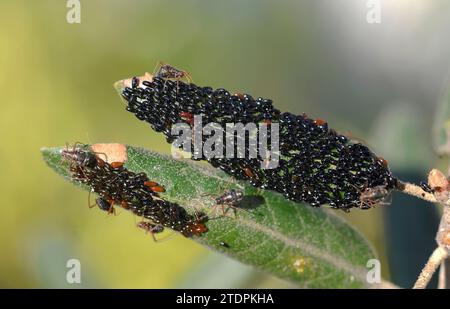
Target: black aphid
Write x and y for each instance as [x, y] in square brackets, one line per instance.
[317, 165]
[133, 191]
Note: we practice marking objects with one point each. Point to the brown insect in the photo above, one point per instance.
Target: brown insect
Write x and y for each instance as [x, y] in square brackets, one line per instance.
[76, 156]
[229, 199]
[188, 117]
[151, 228]
[154, 186]
[240, 95]
[80, 158]
[248, 172]
[370, 197]
[116, 164]
[197, 228]
[167, 71]
[320, 122]
[383, 162]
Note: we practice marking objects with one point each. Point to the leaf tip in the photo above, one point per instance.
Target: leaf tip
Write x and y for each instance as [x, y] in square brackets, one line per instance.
[49, 151]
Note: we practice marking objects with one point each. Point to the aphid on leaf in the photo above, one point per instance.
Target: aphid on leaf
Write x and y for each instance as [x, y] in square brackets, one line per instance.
[320, 122]
[370, 197]
[116, 164]
[240, 95]
[154, 186]
[151, 228]
[167, 71]
[188, 117]
[229, 199]
[383, 162]
[80, 157]
[104, 205]
[197, 228]
[134, 82]
[311, 156]
[195, 225]
[248, 172]
[116, 185]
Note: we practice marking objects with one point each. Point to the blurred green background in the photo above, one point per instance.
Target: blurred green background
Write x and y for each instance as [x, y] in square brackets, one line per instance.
[381, 82]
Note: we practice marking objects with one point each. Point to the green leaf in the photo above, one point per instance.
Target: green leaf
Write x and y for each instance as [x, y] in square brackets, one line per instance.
[308, 246]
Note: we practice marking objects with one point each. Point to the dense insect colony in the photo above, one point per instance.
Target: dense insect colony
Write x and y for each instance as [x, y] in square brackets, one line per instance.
[116, 185]
[317, 165]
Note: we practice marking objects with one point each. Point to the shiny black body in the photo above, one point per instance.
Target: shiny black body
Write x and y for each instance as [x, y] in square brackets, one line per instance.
[103, 204]
[317, 165]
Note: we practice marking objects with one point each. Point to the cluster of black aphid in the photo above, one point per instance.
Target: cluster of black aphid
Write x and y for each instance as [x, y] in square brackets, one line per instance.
[133, 191]
[317, 165]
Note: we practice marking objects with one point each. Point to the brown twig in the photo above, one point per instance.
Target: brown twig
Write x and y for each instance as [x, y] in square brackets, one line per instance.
[415, 190]
[436, 258]
[441, 253]
[439, 256]
[442, 282]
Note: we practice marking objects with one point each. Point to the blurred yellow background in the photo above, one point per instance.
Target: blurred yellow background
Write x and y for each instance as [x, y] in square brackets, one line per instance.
[381, 82]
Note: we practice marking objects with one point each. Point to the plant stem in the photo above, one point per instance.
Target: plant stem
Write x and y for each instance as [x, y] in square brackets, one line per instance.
[415, 190]
[436, 258]
[442, 276]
